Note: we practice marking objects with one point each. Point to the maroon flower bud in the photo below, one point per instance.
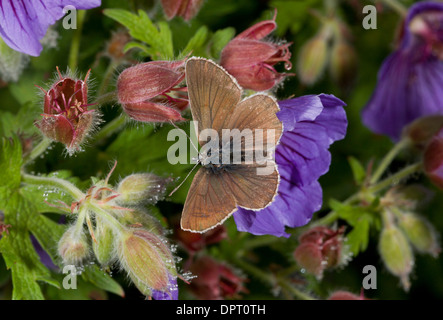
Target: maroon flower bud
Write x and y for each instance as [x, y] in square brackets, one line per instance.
[214, 280]
[345, 295]
[194, 242]
[66, 117]
[433, 159]
[144, 91]
[186, 9]
[251, 59]
[320, 248]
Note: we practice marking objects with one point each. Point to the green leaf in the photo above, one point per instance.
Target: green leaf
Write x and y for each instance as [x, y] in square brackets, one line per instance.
[197, 43]
[220, 39]
[102, 280]
[10, 165]
[358, 238]
[157, 38]
[358, 170]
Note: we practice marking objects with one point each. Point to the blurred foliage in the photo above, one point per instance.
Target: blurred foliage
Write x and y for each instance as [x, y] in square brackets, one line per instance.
[141, 147]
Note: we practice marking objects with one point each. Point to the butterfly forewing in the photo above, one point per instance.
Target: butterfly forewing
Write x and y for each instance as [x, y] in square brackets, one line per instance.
[213, 94]
[219, 189]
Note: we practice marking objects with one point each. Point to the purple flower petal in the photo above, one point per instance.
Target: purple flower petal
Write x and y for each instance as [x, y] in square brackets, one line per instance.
[24, 23]
[172, 294]
[311, 124]
[409, 83]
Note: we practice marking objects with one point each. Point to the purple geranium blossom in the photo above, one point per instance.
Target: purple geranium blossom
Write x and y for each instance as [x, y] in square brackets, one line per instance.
[172, 293]
[311, 124]
[24, 23]
[410, 81]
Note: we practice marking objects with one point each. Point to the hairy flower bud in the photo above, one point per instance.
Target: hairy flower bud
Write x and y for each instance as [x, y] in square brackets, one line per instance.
[147, 259]
[396, 253]
[312, 60]
[343, 63]
[420, 233]
[215, 280]
[433, 159]
[144, 91]
[186, 9]
[73, 246]
[66, 117]
[421, 131]
[103, 246]
[345, 295]
[250, 59]
[141, 188]
[319, 248]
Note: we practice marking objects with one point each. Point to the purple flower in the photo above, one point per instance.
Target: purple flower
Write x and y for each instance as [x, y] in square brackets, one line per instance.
[311, 124]
[410, 81]
[172, 294]
[23, 23]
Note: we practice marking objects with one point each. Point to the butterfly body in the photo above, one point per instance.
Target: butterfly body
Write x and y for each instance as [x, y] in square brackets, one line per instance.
[238, 139]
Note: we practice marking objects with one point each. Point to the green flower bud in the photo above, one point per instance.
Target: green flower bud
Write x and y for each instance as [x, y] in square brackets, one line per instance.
[312, 59]
[396, 253]
[103, 246]
[141, 188]
[147, 259]
[343, 63]
[420, 233]
[73, 247]
[138, 217]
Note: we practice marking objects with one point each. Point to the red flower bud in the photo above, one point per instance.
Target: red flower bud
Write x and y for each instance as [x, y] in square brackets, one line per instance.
[433, 159]
[345, 295]
[214, 280]
[66, 117]
[251, 59]
[194, 242]
[144, 91]
[186, 9]
[319, 248]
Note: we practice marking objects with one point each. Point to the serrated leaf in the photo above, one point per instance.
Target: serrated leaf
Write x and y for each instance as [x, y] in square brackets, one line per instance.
[10, 165]
[358, 238]
[358, 171]
[157, 38]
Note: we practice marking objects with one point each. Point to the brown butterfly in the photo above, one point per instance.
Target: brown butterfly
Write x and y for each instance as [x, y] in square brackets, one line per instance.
[218, 187]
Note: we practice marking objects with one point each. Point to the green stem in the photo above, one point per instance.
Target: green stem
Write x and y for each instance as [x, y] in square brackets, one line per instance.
[111, 127]
[108, 76]
[386, 161]
[61, 184]
[395, 178]
[79, 224]
[397, 6]
[110, 219]
[75, 44]
[38, 150]
[268, 278]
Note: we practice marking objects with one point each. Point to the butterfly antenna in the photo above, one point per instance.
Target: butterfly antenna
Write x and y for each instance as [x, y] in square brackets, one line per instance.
[190, 140]
[187, 176]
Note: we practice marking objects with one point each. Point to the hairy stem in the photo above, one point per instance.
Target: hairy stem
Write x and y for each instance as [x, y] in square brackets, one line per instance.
[386, 161]
[61, 184]
[75, 44]
[38, 150]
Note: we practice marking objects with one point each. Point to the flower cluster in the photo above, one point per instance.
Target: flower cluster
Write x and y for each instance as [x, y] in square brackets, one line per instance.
[123, 232]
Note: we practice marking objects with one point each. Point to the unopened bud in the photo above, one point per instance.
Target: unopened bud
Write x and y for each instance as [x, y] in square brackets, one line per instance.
[186, 9]
[103, 246]
[421, 131]
[420, 233]
[140, 218]
[433, 159]
[396, 253]
[73, 247]
[345, 295]
[312, 60]
[343, 64]
[141, 188]
[147, 259]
